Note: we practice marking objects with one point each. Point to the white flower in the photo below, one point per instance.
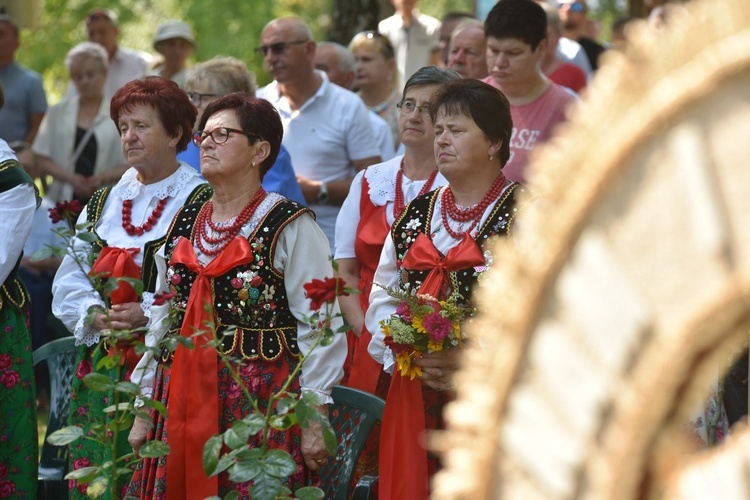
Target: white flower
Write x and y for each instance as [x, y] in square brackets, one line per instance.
[413, 224]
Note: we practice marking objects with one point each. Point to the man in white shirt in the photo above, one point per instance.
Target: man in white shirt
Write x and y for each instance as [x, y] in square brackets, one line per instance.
[338, 63]
[326, 128]
[124, 64]
[414, 36]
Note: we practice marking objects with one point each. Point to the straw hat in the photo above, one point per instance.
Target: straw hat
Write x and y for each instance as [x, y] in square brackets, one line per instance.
[173, 29]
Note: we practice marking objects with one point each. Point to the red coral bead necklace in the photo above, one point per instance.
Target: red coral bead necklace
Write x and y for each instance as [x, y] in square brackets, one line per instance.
[399, 205]
[227, 233]
[127, 223]
[474, 213]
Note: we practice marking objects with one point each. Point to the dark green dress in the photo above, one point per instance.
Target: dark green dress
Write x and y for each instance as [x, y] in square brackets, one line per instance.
[18, 431]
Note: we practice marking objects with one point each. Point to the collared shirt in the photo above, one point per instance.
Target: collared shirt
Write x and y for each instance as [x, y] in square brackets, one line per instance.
[324, 136]
[124, 66]
[413, 44]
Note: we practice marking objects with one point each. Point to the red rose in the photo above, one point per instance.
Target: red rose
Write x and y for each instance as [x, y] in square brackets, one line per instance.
[236, 283]
[324, 291]
[161, 298]
[176, 278]
[10, 378]
[84, 368]
[256, 281]
[5, 361]
[3, 471]
[81, 463]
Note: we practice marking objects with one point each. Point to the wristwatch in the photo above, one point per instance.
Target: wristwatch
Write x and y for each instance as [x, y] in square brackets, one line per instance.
[323, 193]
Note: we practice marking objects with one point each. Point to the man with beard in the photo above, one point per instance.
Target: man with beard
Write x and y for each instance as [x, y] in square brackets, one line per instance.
[573, 14]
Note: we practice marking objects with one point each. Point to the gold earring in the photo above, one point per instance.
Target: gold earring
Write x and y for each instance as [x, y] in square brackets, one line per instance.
[491, 156]
[252, 164]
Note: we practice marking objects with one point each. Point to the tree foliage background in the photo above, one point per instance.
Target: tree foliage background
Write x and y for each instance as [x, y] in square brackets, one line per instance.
[221, 27]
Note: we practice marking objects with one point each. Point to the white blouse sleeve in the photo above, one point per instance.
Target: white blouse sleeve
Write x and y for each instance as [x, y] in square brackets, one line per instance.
[145, 371]
[302, 254]
[382, 305]
[347, 221]
[72, 292]
[17, 207]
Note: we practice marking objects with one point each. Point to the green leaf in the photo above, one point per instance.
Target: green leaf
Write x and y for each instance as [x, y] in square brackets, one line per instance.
[309, 493]
[64, 436]
[327, 337]
[211, 451]
[44, 253]
[85, 473]
[245, 470]
[283, 422]
[117, 407]
[329, 437]
[237, 435]
[87, 236]
[233, 495]
[155, 404]
[128, 388]
[98, 487]
[98, 431]
[255, 423]
[106, 363]
[279, 463]
[98, 382]
[285, 404]
[154, 449]
[265, 486]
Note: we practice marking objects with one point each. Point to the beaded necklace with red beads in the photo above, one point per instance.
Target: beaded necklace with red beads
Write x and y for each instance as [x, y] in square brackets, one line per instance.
[127, 223]
[398, 205]
[473, 214]
[225, 234]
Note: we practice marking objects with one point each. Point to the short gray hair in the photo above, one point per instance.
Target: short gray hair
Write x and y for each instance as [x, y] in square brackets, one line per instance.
[431, 75]
[88, 49]
[223, 74]
[346, 58]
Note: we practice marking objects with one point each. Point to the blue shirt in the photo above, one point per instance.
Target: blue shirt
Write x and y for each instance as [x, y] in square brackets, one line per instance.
[24, 96]
[280, 178]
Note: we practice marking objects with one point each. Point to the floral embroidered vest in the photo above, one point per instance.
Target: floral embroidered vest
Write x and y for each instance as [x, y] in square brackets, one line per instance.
[417, 219]
[95, 207]
[250, 302]
[12, 291]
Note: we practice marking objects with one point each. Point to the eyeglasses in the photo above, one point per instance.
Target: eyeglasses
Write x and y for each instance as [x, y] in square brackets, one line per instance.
[276, 48]
[573, 7]
[218, 135]
[408, 107]
[197, 98]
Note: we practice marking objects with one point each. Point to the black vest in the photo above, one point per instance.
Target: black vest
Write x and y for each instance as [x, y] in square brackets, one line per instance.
[250, 302]
[94, 209]
[421, 209]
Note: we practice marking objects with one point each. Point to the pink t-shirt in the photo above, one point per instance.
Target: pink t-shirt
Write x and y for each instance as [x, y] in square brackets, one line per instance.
[533, 124]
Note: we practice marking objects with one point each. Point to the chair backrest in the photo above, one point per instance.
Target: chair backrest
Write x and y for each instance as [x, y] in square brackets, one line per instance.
[353, 414]
[60, 356]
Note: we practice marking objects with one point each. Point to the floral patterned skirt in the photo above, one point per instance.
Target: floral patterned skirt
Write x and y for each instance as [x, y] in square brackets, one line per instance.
[87, 411]
[18, 434]
[262, 379]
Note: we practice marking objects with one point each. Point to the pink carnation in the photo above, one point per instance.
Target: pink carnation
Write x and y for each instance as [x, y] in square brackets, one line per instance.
[403, 311]
[5, 361]
[437, 326]
[10, 378]
[84, 368]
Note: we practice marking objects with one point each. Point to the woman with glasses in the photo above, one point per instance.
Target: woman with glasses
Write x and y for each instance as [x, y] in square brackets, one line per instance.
[129, 221]
[438, 246]
[238, 261]
[375, 79]
[218, 77]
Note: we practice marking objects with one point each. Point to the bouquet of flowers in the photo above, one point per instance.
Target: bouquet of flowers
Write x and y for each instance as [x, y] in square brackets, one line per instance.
[421, 324]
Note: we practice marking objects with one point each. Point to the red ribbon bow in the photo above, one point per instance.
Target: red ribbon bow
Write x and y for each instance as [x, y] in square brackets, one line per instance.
[193, 406]
[423, 256]
[114, 262]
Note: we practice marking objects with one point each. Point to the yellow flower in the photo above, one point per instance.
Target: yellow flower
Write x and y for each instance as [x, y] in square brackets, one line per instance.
[457, 329]
[417, 324]
[406, 367]
[385, 328]
[434, 346]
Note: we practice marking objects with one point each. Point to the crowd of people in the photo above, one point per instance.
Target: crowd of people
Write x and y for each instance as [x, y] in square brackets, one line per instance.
[394, 160]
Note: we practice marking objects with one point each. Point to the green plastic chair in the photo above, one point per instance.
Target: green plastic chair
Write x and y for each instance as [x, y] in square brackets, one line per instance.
[60, 356]
[352, 414]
